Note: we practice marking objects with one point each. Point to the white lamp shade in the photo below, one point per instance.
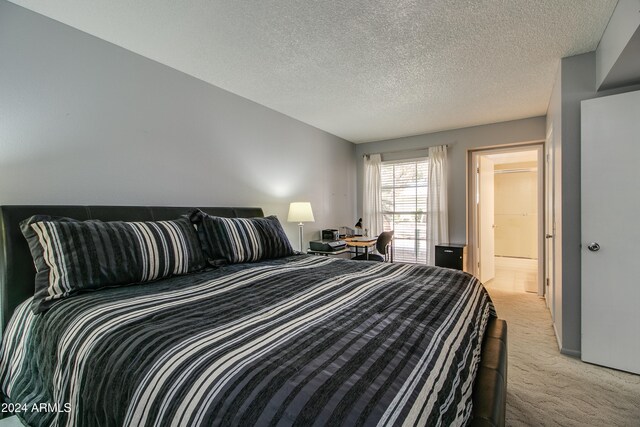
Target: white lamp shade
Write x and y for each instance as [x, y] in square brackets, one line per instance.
[300, 212]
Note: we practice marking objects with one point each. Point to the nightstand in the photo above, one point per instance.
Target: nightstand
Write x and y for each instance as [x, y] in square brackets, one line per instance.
[451, 255]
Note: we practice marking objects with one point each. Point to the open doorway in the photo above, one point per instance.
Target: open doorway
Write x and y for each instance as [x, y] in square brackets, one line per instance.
[506, 218]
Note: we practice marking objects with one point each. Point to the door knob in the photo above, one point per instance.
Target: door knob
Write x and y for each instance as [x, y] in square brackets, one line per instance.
[548, 236]
[593, 247]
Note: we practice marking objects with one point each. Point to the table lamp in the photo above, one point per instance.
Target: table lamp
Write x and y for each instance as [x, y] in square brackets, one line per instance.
[300, 212]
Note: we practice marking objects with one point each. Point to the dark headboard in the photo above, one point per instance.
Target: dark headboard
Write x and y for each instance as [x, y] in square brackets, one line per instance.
[17, 272]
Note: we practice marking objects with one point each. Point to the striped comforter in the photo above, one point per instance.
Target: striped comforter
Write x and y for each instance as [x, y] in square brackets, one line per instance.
[296, 341]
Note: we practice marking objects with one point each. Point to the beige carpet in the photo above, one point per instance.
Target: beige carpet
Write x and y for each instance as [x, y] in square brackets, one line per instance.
[546, 388]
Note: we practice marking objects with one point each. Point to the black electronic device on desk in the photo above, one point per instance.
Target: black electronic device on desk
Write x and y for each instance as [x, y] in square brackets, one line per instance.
[330, 234]
[327, 245]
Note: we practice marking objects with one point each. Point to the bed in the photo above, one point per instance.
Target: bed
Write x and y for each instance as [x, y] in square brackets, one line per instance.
[298, 340]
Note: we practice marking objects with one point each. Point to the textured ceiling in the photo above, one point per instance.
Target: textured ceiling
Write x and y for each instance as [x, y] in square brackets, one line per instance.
[360, 69]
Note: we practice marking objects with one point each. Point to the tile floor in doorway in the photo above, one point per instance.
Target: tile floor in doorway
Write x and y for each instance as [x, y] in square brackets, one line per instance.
[515, 275]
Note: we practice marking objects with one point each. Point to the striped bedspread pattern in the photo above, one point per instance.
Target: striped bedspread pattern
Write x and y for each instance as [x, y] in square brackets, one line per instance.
[295, 341]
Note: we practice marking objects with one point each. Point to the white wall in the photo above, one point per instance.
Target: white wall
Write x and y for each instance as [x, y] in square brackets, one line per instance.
[83, 121]
[459, 141]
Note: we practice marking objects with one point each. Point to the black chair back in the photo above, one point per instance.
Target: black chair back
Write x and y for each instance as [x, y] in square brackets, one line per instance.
[382, 244]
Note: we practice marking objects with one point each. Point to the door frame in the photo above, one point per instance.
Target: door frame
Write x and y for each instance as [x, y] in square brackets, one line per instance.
[485, 176]
[472, 213]
[549, 222]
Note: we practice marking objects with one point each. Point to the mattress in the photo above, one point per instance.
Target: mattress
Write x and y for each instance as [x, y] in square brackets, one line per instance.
[301, 340]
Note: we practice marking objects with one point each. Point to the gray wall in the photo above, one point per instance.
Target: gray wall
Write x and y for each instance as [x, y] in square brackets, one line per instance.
[577, 83]
[613, 67]
[84, 121]
[459, 141]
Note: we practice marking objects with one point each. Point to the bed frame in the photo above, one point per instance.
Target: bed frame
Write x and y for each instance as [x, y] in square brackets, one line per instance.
[17, 274]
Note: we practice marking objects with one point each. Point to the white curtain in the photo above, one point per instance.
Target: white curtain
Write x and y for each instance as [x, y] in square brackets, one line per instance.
[372, 200]
[438, 226]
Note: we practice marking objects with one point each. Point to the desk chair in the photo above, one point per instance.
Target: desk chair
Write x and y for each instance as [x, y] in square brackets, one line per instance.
[383, 246]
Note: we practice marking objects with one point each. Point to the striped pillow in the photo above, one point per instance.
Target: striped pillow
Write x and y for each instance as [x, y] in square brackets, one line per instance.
[237, 240]
[71, 255]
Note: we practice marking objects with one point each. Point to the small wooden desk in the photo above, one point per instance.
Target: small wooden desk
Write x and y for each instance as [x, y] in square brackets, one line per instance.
[366, 244]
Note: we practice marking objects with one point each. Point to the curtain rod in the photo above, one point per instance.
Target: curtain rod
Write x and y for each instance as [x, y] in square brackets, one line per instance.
[405, 151]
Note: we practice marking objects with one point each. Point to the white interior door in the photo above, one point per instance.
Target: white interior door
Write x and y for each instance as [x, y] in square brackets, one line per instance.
[610, 233]
[486, 218]
[549, 223]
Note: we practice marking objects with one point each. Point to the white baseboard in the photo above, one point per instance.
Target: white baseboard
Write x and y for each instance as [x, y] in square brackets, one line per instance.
[572, 353]
[555, 331]
[566, 351]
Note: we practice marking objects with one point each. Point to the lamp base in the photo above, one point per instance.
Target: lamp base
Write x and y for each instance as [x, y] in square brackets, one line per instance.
[300, 226]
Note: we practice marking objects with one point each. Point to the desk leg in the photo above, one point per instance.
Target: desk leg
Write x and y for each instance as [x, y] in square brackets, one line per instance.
[366, 253]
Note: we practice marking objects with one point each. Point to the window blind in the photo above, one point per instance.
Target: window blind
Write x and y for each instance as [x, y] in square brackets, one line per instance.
[404, 189]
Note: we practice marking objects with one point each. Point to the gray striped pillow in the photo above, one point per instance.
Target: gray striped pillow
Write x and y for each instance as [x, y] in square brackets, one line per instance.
[71, 255]
[237, 240]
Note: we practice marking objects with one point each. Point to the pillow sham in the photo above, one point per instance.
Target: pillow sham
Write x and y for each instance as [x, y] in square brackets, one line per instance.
[71, 255]
[238, 240]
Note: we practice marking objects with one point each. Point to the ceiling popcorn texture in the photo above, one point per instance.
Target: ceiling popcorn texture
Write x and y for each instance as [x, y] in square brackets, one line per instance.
[363, 70]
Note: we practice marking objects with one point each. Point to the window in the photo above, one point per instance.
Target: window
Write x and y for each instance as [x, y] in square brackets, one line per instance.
[404, 207]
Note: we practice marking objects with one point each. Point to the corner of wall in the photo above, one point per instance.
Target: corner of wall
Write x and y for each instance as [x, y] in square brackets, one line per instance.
[578, 82]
